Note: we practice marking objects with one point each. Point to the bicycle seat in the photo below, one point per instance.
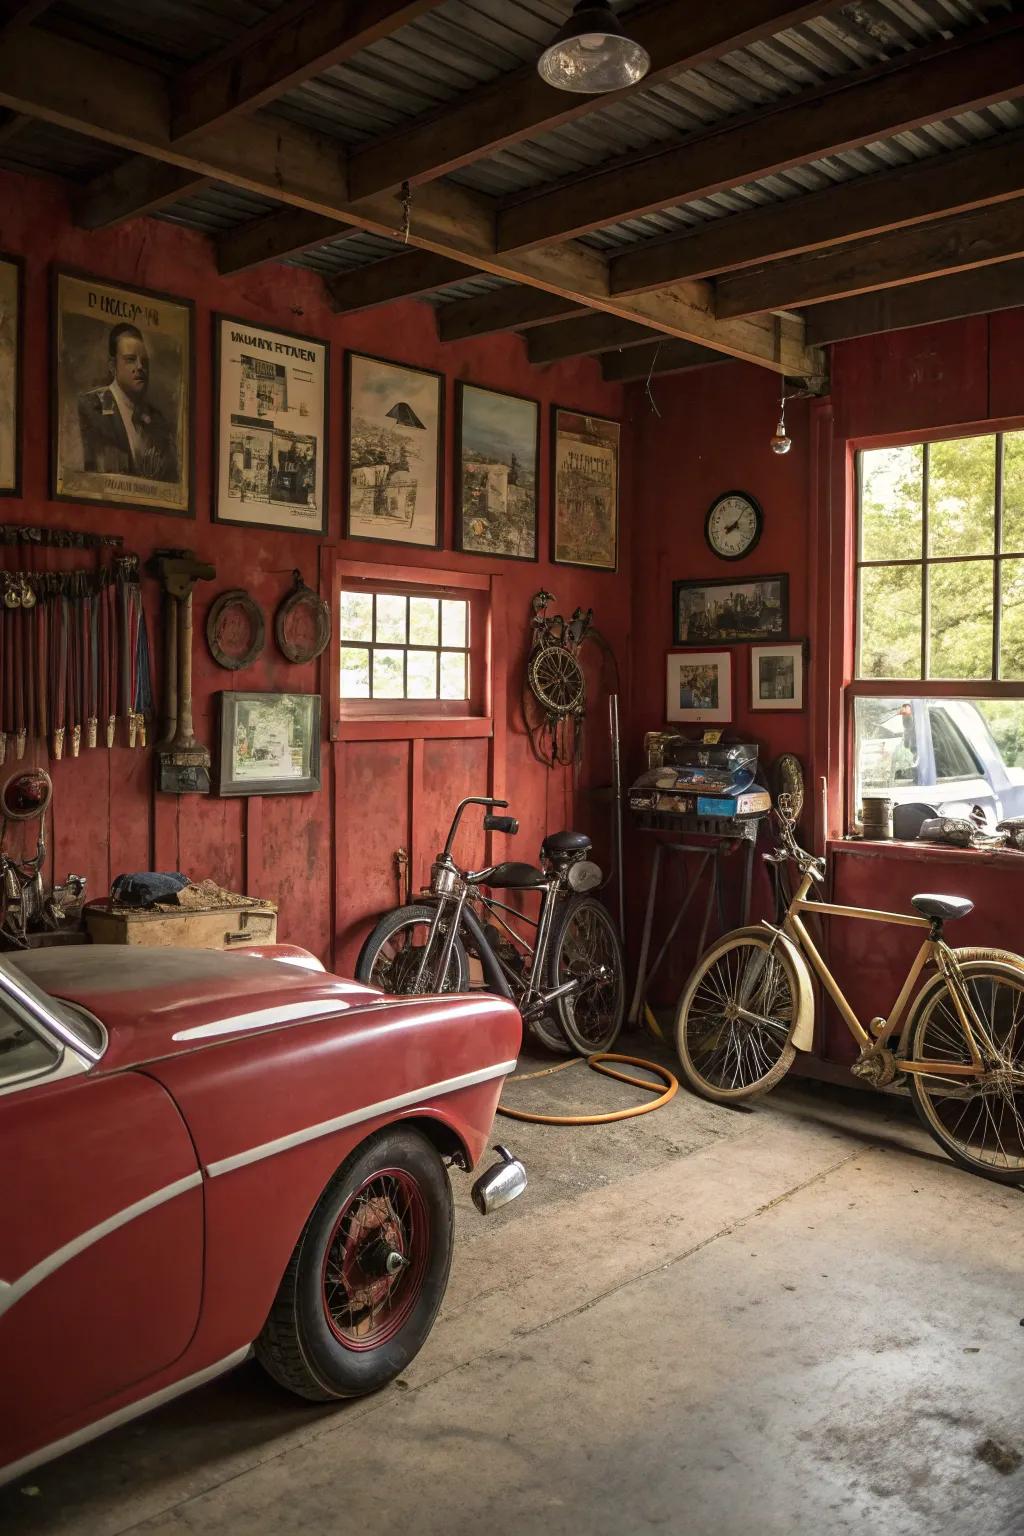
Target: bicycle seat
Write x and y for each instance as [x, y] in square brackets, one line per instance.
[947, 907]
[515, 877]
[565, 842]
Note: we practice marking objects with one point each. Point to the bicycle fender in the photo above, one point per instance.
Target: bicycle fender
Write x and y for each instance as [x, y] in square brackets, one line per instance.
[495, 977]
[801, 1033]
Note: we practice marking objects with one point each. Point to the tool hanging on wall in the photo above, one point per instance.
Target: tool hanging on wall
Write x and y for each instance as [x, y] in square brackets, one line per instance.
[554, 683]
[183, 763]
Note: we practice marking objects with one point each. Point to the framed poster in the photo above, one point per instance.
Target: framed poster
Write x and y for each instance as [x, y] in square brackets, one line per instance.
[585, 482]
[777, 676]
[271, 427]
[11, 314]
[497, 457]
[699, 687]
[121, 415]
[395, 464]
[269, 743]
[723, 609]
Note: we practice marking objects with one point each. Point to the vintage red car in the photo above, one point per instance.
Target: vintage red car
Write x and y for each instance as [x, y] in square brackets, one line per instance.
[206, 1154]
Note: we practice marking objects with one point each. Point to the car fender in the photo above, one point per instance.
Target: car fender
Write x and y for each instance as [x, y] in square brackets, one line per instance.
[802, 1032]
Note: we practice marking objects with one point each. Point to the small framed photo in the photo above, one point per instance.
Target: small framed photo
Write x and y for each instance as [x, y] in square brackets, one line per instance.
[585, 490]
[269, 743]
[497, 470]
[271, 427]
[395, 452]
[777, 676]
[11, 331]
[721, 610]
[699, 687]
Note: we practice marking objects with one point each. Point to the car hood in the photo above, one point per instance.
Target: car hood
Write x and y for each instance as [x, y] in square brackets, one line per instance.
[155, 1003]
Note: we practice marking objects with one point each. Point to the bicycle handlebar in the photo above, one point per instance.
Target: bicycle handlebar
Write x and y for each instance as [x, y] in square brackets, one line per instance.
[470, 800]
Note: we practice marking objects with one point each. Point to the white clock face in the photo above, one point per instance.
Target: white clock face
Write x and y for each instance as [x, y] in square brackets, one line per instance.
[734, 526]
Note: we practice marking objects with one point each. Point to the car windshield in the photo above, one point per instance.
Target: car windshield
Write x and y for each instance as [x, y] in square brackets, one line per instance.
[74, 1025]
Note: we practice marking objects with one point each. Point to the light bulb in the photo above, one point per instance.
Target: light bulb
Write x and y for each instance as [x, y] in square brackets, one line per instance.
[781, 441]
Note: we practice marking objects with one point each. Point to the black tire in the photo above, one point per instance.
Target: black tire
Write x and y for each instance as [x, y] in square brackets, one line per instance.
[584, 940]
[396, 972]
[311, 1343]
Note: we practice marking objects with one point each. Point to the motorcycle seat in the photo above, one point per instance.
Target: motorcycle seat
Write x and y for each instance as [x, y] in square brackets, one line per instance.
[943, 907]
[565, 842]
[515, 877]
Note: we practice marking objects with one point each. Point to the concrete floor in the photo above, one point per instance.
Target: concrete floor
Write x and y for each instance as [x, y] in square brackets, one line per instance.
[789, 1319]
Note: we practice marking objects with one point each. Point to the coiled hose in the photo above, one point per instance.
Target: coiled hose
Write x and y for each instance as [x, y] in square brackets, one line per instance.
[597, 1062]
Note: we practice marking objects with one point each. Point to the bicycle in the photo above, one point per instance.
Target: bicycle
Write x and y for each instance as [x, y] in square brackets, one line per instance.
[749, 1006]
[574, 963]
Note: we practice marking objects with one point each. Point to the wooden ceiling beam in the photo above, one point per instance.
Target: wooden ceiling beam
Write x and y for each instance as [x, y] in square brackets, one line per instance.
[515, 308]
[300, 42]
[137, 187]
[977, 292]
[869, 205]
[275, 236]
[658, 357]
[975, 239]
[584, 337]
[396, 277]
[520, 105]
[85, 90]
[951, 78]
[21, 13]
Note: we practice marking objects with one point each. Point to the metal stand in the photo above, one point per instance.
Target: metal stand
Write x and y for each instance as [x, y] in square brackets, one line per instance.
[710, 855]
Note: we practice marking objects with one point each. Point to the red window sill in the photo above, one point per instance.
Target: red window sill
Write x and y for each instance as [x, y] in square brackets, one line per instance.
[429, 727]
[872, 848]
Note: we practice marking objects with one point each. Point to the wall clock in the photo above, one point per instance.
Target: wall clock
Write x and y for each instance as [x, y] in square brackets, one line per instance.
[733, 525]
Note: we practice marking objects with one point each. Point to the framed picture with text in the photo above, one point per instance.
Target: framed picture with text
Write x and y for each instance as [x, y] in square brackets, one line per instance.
[585, 490]
[395, 452]
[12, 270]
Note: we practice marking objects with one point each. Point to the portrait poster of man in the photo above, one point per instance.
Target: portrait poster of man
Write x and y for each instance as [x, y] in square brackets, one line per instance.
[123, 410]
[271, 427]
[10, 363]
[585, 525]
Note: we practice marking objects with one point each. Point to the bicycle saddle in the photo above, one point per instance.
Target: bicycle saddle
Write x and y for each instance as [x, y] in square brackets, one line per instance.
[515, 877]
[947, 907]
[565, 842]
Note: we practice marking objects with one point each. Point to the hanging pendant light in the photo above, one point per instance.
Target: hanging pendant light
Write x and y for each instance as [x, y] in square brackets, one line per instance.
[781, 441]
[591, 53]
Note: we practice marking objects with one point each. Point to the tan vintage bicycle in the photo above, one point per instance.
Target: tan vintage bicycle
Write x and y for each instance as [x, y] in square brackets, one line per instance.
[748, 1008]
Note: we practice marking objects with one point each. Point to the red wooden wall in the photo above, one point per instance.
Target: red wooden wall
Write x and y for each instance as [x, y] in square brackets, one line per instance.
[327, 858]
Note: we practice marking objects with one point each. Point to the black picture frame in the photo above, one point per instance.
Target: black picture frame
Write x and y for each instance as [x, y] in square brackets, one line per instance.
[373, 538]
[735, 634]
[187, 452]
[217, 321]
[583, 565]
[230, 782]
[18, 386]
[459, 534]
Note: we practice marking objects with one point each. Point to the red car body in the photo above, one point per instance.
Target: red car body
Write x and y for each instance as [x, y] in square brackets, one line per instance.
[157, 1179]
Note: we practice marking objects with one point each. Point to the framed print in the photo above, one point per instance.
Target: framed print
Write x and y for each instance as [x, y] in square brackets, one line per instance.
[11, 314]
[269, 743]
[271, 427]
[121, 421]
[699, 687]
[721, 610]
[497, 458]
[585, 481]
[777, 676]
[395, 463]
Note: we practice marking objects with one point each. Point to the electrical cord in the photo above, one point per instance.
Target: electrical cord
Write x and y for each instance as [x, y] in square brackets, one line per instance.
[596, 1062]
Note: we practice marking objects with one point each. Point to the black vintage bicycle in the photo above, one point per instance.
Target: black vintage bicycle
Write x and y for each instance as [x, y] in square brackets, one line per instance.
[563, 968]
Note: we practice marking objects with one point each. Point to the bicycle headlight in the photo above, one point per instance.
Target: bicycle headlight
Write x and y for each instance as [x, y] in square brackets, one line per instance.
[584, 875]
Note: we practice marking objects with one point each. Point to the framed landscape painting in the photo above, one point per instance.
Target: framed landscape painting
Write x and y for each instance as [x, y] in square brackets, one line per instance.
[585, 480]
[722, 610]
[395, 466]
[497, 457]
[11, 269]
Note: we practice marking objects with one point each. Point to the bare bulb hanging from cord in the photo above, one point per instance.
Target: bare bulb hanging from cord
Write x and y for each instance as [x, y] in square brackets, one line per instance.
[781, 440]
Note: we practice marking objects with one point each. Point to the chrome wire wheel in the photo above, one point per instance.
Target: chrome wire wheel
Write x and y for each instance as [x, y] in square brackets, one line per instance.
[978, 1120]
[375, 1260]
[390, 958]
[735, 1018]
[587, 951]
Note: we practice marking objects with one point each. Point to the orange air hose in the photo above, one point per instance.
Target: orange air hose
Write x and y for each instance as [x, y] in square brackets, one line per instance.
[597, 1063]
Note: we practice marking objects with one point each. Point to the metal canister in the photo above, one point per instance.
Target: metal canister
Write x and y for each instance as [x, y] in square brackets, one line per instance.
[876, 816]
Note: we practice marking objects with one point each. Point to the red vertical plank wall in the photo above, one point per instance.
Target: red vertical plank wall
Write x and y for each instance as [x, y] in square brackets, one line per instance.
[327, 857]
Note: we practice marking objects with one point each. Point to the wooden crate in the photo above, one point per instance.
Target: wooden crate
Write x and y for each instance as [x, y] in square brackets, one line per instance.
[217, 928]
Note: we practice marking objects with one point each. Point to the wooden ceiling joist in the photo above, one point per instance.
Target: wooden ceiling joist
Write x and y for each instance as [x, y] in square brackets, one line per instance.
[868, 205]
[583, 337]
[130, 190]
[974, 239]
[520, 105]
[952, 79]
[397, 277]
[89, 92]
[656, 357]
[506, 309]
[275, 236]
[977, 292]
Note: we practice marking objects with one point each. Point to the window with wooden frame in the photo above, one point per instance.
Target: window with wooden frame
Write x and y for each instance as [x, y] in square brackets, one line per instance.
[411, 646]
[937, 698]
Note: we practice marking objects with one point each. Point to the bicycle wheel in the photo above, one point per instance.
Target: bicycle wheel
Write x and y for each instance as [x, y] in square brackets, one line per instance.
[736, 1016]
[390, 958]
[978, 1121]
[586, 948]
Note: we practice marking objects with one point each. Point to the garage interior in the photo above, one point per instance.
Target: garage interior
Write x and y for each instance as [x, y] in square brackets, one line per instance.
[722, 357]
